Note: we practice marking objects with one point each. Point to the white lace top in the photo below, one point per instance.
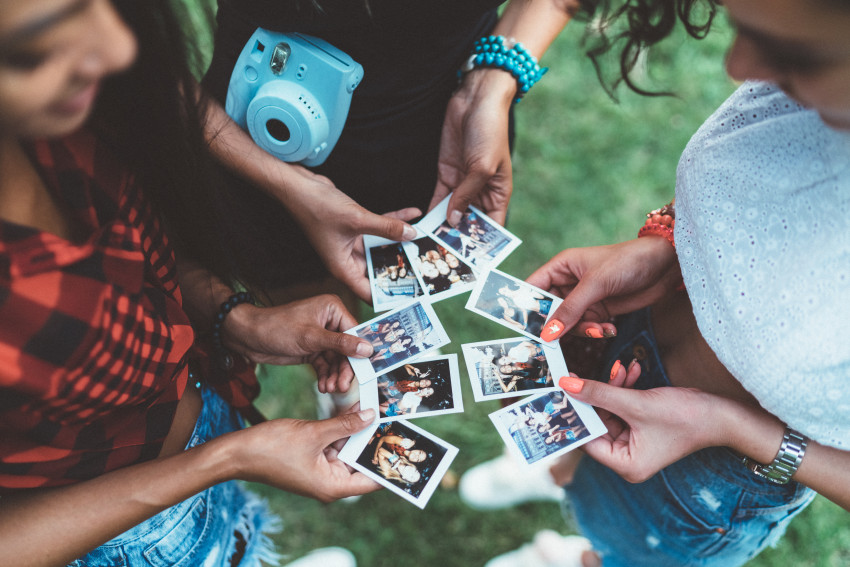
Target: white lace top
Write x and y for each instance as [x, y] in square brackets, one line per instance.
[763, 239]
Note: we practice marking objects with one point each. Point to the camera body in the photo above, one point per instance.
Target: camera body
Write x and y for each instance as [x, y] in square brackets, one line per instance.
[292, 93]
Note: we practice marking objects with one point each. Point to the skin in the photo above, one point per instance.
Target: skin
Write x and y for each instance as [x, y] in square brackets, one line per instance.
[648, 430]
[53, 55]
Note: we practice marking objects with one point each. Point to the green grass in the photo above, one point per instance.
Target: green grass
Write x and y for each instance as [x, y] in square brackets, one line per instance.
[586, 170]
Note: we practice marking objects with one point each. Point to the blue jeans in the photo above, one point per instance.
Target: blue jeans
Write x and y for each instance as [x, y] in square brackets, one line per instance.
[705, 510]
[221, 526]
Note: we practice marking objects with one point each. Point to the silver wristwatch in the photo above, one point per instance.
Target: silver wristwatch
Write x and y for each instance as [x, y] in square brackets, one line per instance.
[787, 460]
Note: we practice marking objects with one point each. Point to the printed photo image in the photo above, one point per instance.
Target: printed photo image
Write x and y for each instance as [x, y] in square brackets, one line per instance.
[407, 460]
[547, 425]
[478, 239]
[513, 303]
[441, 273]
[508, 368]
[390, 274]
[425, 387]
[397, 337]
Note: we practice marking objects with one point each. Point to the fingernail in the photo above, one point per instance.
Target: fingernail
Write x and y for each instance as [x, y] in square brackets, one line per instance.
[570, 384]
[609, 333]
[363, 349]
[552, 330]
[632, 364]
[615, 369]
[454, 218]
[409, 232]
[593, 333]
[367, 415]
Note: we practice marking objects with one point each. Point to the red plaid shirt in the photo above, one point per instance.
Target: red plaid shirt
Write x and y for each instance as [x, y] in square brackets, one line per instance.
[93, 338]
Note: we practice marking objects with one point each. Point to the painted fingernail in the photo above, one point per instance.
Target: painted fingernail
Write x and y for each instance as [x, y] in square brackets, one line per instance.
[552, 330]
[570, 384]
[367, 415]
[454, 218]
[409, 232]
[363, 349]
[593, 333]
[615, 369]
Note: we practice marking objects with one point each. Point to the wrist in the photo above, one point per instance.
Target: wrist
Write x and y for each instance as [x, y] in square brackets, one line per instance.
[487, 83]
[752, 432]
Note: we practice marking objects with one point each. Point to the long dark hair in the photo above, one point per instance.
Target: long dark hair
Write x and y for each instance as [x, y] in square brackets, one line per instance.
[152, 118]
[632, 26]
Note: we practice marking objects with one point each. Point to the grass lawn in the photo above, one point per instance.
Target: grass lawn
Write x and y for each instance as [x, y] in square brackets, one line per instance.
[586, 170]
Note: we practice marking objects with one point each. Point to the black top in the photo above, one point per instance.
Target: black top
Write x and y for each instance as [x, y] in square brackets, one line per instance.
[386, 157]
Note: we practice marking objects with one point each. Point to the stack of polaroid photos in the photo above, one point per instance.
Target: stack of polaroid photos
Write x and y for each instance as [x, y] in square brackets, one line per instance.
[403, 379]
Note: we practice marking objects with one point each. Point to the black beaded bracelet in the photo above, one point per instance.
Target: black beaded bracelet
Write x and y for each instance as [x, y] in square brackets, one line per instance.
[223, 310]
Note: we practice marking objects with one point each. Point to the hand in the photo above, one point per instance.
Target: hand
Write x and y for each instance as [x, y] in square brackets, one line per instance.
[647, 429]
[334, 223]
[600, 282]
[301, 456]
[475, 160]
[306, 331]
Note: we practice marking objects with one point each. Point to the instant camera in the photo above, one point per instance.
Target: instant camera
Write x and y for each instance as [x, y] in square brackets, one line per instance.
[292, 93]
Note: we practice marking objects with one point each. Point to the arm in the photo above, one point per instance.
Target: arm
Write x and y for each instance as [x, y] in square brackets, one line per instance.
[306, 331]
[475, 162]
[658, 427]
[332, 221]
[55, 526]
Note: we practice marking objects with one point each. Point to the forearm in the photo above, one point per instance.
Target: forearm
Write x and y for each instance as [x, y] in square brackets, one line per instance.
[757, 434]
[535, 24]
[55, 526]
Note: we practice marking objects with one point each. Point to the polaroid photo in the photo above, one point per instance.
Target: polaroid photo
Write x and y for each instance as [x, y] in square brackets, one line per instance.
[540, 428]
[441, 273]
[421, 388]
[407, 460]
[398, 336]
[511, 302]
[506, 368]
[479, 240]
[391, 277]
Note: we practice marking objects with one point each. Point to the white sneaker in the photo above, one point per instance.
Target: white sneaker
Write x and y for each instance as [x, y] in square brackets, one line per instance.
[548, 549]
[504, 482]
[326, 557]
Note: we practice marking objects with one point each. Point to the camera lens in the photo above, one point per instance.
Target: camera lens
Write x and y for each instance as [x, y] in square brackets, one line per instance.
[277, 130]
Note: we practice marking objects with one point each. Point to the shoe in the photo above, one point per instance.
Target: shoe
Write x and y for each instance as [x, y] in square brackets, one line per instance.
[504, 482]
[326, 557]
[548, 549]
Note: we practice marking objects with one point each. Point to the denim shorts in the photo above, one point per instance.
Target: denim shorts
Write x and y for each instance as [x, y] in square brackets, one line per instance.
[705, 510]
[222, 526]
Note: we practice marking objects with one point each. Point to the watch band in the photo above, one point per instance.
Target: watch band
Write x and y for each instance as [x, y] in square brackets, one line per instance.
[786, 462]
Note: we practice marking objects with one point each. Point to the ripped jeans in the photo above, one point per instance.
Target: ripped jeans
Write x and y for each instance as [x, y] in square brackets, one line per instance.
[705, 510]
[225, 525]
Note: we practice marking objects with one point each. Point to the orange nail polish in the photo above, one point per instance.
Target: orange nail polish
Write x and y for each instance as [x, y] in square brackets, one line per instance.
[570, 384]
[615, 369]
[553, 329]
[593, 333]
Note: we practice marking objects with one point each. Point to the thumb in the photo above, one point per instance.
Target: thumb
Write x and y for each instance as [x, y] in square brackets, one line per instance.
[463, 196]
[391, 226]
[617, 401]
[344, 425]
[571, 310]
[319, 340]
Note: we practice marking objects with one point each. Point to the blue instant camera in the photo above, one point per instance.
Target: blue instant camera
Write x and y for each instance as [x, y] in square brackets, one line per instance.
[292, 93]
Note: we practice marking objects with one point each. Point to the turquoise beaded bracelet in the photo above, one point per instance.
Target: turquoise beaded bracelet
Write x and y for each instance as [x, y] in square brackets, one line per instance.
[498, 52]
